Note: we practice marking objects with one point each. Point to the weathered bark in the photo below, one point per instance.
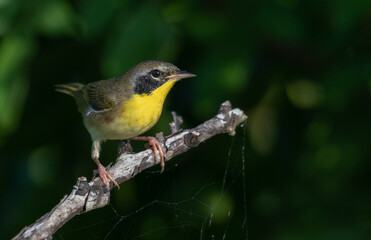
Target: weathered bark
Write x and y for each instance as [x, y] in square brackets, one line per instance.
[86, 196]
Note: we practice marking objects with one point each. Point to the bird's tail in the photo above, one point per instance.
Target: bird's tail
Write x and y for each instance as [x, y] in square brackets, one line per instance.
[69, 88]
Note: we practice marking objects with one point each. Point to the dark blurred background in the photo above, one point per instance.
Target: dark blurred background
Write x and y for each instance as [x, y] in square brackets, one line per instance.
[301, 70]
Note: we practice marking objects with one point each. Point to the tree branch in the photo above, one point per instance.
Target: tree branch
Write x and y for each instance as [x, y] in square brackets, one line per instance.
[86, 196]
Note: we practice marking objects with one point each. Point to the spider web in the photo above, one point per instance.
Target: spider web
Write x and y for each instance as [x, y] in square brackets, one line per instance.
[215, 209]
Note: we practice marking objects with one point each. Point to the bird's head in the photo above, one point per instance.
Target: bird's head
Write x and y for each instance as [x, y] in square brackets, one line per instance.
[149, 75]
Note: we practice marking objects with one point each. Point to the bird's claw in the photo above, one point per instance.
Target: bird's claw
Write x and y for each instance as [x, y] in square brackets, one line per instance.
[105, 176]
[155, 144]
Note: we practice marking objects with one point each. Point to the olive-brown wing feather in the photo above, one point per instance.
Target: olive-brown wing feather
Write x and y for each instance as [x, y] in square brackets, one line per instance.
[100, 95]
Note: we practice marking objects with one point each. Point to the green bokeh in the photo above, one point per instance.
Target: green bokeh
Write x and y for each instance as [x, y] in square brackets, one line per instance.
[301, 70]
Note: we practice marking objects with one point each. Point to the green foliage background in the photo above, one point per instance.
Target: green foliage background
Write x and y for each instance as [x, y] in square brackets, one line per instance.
[301, 70]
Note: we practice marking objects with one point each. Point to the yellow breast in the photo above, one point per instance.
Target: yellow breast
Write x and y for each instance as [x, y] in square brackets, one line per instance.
[141, 112]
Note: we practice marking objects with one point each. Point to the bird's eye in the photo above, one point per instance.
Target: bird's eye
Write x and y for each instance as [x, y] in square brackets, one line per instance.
[155, 73]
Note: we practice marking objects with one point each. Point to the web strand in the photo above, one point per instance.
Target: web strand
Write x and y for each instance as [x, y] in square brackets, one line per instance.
[190, 216]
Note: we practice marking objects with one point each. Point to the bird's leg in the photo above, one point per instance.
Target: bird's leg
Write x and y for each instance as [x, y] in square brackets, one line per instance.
[103, 174]
[155, 144]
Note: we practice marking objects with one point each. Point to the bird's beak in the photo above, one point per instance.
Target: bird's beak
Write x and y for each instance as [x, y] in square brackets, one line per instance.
[180, 75]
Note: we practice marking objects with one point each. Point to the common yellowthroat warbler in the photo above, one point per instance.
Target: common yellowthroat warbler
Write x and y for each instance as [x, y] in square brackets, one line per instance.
[124, 107]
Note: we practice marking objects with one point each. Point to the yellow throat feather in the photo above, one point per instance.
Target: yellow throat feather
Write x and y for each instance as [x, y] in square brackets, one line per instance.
[141, 112]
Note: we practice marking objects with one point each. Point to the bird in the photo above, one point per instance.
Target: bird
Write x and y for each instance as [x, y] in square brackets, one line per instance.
[124, 107]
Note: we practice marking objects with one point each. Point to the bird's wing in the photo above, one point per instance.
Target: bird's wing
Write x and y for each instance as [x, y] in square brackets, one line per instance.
[100, 95]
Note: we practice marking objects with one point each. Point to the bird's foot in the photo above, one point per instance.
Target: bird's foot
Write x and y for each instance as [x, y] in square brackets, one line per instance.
[105, 176]
[156, 146]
